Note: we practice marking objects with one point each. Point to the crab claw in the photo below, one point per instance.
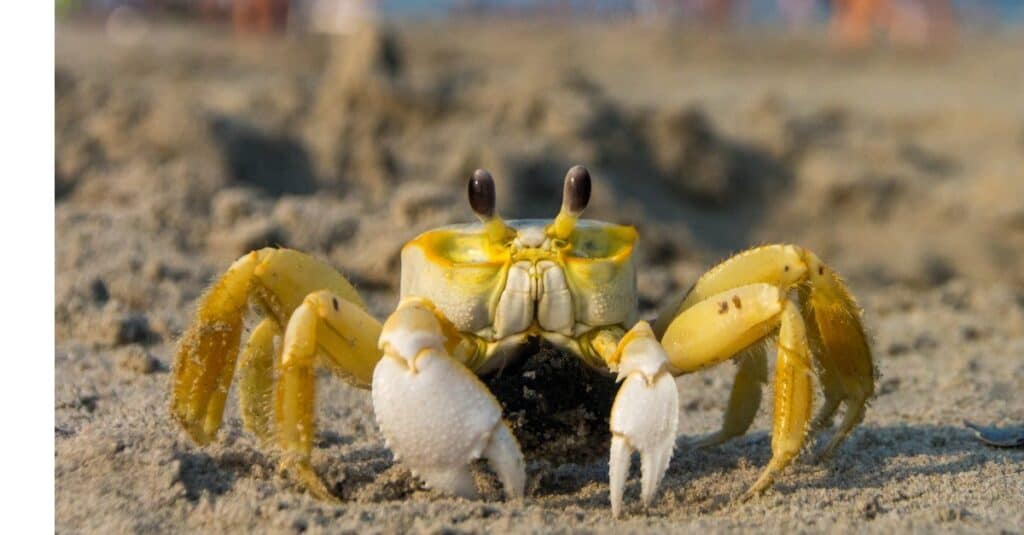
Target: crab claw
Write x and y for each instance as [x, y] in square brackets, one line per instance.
[435, 415]
[644, 415]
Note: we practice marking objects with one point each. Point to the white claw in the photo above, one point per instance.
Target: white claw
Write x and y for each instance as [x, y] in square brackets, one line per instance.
[653, 465]
[437, 417]
[507, 461]
[644, 416]
[618, 469]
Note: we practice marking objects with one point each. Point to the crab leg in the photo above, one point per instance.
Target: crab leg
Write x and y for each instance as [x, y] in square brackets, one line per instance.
[836, 334]
[834, 326]
[287, 279]
[326, 324]
[205, 359]
[256, 379]
[294, 412]
[828, 376]
[278, 280]
[794, 394]
[435, 414]
[778, 265]
[644, 416]
[716, 328]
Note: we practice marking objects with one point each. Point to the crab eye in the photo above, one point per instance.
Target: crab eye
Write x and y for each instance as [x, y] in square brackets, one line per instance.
[481, 194]
[576, 193]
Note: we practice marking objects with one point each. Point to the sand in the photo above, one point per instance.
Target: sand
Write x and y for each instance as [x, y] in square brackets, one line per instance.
[902, 168]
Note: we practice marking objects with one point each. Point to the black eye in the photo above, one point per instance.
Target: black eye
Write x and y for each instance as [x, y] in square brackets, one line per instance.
[576, 194]
[481, 193]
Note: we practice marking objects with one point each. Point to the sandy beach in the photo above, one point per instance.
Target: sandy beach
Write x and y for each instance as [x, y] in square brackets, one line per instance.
[904, 169]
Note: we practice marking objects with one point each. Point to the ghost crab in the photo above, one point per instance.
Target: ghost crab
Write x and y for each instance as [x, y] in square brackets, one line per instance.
[471, 294]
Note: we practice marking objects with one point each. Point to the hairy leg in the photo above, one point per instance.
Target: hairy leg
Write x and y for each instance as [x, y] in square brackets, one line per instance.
[295, 408]
[256, 380]
[794, 395]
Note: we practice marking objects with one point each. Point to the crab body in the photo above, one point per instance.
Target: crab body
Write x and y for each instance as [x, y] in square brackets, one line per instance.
[537, 286]
[471, 296]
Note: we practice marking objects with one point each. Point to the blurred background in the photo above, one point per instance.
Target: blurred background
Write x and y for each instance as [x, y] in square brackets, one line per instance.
[887, 135]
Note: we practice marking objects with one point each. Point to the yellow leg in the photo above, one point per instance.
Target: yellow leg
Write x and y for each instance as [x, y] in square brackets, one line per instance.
[745, 398]
[834, 327]
[205, 359]
[326, 324]
[286, 279]
[741, 301]
[828, 375]
[855, 407]
[320, 313]
[256, 380]
[842, 348]
[794, 394]
[204, 362]
[288, 276]
[833, 391]
[722, 325]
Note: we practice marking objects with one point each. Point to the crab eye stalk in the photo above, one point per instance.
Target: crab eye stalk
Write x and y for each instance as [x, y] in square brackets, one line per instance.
[481, 194]
[576, 193]
[575, 196]
[482, 201]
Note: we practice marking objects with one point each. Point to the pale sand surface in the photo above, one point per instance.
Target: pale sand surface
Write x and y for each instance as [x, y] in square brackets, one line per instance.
[905, 170]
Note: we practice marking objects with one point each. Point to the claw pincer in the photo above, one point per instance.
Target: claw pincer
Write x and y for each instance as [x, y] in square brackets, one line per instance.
[644, 415]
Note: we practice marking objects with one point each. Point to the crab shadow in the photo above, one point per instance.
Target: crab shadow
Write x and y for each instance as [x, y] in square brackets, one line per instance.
[877, 456]
[872, 457]
[201, 473]
[214, 474]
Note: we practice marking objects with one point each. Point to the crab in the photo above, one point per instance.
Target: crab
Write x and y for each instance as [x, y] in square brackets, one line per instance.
[471, 294]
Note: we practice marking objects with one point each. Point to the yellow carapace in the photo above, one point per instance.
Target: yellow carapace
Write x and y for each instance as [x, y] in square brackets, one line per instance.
[470, 295]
